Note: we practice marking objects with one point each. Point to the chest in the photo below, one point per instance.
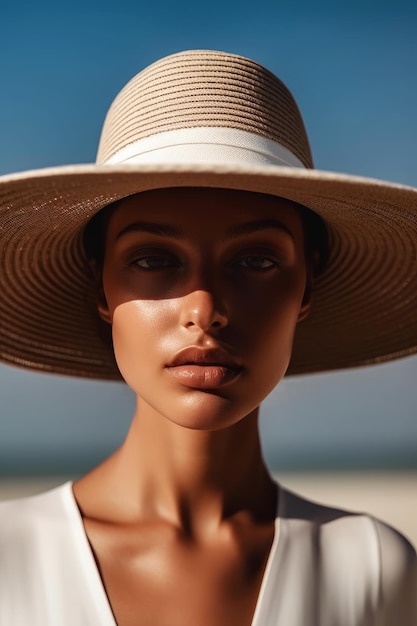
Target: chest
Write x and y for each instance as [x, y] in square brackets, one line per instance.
[160, 580]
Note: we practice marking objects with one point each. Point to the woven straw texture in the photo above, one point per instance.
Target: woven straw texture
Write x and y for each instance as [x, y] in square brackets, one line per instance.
[365, 302]
[201, 88]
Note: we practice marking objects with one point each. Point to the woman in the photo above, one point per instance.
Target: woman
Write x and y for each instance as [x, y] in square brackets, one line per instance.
[220, 261]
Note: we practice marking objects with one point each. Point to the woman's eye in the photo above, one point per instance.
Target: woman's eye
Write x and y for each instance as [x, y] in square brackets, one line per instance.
[257, 263]
[153, 262]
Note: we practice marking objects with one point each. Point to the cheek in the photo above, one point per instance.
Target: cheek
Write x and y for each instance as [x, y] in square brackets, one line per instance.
[273, 327]
[136, 327]
[277, 307]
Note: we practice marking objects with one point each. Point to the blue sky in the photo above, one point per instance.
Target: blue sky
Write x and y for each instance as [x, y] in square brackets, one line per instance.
[351, 67]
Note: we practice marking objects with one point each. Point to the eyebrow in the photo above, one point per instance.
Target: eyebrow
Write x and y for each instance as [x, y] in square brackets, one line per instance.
[165, 230]
[261, 224]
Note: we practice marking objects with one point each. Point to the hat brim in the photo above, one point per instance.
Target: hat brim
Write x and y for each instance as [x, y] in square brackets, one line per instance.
[364, 308]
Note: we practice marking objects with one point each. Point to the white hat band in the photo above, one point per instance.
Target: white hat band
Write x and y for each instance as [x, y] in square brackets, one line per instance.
[209, 145]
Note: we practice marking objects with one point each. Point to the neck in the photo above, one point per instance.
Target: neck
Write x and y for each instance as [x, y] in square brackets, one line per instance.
[186, 475]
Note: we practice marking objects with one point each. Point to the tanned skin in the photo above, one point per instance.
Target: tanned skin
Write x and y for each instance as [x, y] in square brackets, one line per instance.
[181, 517]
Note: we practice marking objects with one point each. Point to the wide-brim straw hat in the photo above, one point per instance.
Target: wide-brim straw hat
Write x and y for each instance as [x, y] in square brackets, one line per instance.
[205, 119]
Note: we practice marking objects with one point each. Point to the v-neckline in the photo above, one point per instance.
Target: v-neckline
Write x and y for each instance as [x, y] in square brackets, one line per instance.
[94, 580]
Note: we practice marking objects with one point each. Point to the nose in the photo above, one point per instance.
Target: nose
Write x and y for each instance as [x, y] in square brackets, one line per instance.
[200, 310]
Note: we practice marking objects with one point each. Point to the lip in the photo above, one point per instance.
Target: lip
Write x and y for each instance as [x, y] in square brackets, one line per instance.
[204, 369]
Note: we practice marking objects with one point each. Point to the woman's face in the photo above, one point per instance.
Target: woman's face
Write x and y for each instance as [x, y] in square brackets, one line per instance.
[204, 289]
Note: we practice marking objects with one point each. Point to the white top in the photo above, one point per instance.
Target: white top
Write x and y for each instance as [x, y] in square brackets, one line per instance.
[326, 568]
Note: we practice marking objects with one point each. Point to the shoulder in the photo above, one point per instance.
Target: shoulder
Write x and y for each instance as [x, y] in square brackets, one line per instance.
[33, 510]
[358, 555]
[398, 567]
[43, 554]
[392, 550]
[297, 507]
[30, 528]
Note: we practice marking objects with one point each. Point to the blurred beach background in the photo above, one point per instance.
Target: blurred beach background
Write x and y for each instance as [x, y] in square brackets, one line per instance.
[347, 438]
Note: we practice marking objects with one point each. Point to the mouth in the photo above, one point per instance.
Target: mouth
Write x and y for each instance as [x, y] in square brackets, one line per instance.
[204, 369]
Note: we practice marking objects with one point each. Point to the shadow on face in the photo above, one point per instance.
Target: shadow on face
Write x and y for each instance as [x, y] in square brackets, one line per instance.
[230, 252]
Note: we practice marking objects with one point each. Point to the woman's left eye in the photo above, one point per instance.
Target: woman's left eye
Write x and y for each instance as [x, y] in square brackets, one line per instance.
[257, 263]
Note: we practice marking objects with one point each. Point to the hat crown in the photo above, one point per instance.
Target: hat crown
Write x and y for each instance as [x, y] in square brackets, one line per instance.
[203, 89]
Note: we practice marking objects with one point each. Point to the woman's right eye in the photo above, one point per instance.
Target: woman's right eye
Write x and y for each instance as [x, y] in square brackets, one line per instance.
[153, 262]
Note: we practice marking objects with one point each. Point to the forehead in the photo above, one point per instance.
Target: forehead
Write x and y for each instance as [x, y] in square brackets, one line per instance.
[219, 210]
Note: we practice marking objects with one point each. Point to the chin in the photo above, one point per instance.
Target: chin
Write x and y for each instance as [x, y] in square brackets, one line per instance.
[210, 413]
